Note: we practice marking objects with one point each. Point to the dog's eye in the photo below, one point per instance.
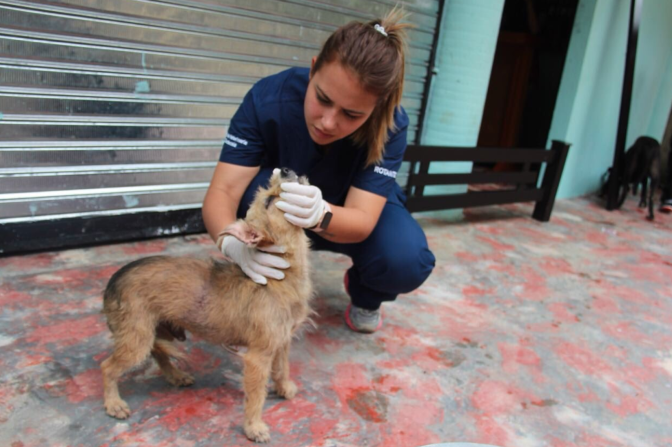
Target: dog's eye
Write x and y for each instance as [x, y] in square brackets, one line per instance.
[269, 200]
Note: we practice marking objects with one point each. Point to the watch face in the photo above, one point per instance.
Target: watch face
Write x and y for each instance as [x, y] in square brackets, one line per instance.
[326, 220]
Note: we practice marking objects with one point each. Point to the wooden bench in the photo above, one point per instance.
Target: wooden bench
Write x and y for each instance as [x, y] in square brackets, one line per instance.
[522, 184]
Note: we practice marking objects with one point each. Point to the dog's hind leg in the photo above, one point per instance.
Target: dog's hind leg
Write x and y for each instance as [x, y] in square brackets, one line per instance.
[280, 373]
[162, 351]
[132, 345]
[257, 368]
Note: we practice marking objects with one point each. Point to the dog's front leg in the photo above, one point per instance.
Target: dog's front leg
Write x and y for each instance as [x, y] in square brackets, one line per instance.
[255, 378]
[652, 191]
[283, 385]
[642, 200]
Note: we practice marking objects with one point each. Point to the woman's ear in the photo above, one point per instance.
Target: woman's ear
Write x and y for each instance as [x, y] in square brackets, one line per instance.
[312, 65]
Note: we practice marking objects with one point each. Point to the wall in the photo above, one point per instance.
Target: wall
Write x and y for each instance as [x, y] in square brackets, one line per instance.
[652, 89]
[465, 52]
[588, 105]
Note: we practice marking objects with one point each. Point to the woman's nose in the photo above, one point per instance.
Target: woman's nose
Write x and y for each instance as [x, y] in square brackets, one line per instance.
[329, 120]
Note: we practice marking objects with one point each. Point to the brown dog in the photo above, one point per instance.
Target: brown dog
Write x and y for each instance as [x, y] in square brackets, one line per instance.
[153, 300]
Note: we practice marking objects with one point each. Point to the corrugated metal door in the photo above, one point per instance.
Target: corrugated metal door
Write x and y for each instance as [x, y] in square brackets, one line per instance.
[111, 108]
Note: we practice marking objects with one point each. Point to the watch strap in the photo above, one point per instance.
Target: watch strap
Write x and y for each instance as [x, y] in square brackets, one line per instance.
[325, 219]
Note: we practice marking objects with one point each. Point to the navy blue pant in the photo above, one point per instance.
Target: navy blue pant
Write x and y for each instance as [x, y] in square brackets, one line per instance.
[394, 258]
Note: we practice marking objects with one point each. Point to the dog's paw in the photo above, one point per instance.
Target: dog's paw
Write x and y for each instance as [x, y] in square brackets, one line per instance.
[257, 432]
[180, 378]
[117, 408]
[286, 389]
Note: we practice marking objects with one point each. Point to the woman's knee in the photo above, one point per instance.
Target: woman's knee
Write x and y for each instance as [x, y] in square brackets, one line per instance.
[398, 271]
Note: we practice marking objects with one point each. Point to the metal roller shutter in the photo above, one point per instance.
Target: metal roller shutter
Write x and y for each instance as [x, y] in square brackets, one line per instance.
[113, 108]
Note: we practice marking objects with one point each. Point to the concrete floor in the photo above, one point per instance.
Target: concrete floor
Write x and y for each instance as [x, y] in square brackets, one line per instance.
[525, 335]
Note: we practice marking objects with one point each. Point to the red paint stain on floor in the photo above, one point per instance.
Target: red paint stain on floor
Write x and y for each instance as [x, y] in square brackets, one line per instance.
[86, 385]
[323, 342]
[495, 397]
[283, 416]
[370, 405]
[410, 425]
[194, 407]
[496, 245]
[147, 248]
[34, 359]
[562, 312]
[555, 266]
[624, 405]
[68, 332]
[533, 285]
[605, 304]
[626, 331]
[583, 360]
[27, 263]
[476, 291]
[627, 293]
[465, 256]
[515, 355]
[489, 431]
[12, 299]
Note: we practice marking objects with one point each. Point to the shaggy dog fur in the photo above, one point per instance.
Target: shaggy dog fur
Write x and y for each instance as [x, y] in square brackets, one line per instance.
[151, 301]
[642, 163]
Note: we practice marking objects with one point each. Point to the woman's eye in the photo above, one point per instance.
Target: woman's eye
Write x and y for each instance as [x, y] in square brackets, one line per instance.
[322, 100]
[350, 117]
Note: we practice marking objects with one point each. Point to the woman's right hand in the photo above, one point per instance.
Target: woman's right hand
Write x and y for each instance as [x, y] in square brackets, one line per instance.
[254, 262]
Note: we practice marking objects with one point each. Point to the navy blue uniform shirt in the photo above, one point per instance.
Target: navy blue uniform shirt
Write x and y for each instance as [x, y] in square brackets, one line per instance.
[269, 130]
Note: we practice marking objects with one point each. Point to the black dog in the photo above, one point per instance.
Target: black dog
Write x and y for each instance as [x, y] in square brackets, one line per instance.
[642, 162]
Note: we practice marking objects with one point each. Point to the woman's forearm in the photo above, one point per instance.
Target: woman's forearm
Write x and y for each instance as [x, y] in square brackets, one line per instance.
[348, 225]
[224, 194]
[218, 212]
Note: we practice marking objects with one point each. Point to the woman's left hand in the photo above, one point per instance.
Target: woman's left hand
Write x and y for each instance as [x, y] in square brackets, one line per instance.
[303, 204]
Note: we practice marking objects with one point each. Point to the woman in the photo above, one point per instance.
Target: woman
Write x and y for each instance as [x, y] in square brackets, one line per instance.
[341, 124]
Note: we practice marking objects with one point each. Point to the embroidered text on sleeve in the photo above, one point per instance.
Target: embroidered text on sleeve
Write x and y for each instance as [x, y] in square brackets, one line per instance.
[233, 141]
[384, 171]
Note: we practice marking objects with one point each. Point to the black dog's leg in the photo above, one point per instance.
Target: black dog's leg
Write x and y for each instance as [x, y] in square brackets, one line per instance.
[654, 186]
[642, 200]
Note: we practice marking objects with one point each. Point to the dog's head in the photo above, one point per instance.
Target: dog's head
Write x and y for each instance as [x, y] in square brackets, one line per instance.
[265, 224]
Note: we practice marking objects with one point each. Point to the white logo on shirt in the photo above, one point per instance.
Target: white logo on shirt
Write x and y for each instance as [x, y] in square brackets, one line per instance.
[386, 172]
[233, 140]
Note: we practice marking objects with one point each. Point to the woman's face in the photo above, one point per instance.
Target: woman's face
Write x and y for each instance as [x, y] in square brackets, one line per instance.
[336, 105]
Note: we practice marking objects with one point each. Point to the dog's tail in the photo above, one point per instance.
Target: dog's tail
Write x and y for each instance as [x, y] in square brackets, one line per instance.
[167, 348]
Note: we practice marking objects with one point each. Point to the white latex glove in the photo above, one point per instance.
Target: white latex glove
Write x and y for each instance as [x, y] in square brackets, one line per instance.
[302, 204]
[256, 264]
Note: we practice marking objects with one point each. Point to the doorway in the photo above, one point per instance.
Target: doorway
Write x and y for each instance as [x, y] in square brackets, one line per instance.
[527, 68]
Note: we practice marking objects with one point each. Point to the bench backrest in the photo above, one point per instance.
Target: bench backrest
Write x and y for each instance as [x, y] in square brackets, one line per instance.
[525, 181]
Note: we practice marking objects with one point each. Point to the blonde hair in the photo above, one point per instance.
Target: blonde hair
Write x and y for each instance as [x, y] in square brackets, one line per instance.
[377, 57]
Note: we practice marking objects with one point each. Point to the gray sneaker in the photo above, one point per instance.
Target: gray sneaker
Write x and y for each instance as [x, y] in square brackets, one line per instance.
[363, 320]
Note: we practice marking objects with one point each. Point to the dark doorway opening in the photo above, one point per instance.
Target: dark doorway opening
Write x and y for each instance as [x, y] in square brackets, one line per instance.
[527, 69]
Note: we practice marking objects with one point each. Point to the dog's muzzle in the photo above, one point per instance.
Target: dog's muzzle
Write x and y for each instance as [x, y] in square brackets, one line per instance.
[288, 174]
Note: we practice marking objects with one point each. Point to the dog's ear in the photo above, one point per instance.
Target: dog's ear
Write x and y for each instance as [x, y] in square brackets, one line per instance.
[246, 233]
